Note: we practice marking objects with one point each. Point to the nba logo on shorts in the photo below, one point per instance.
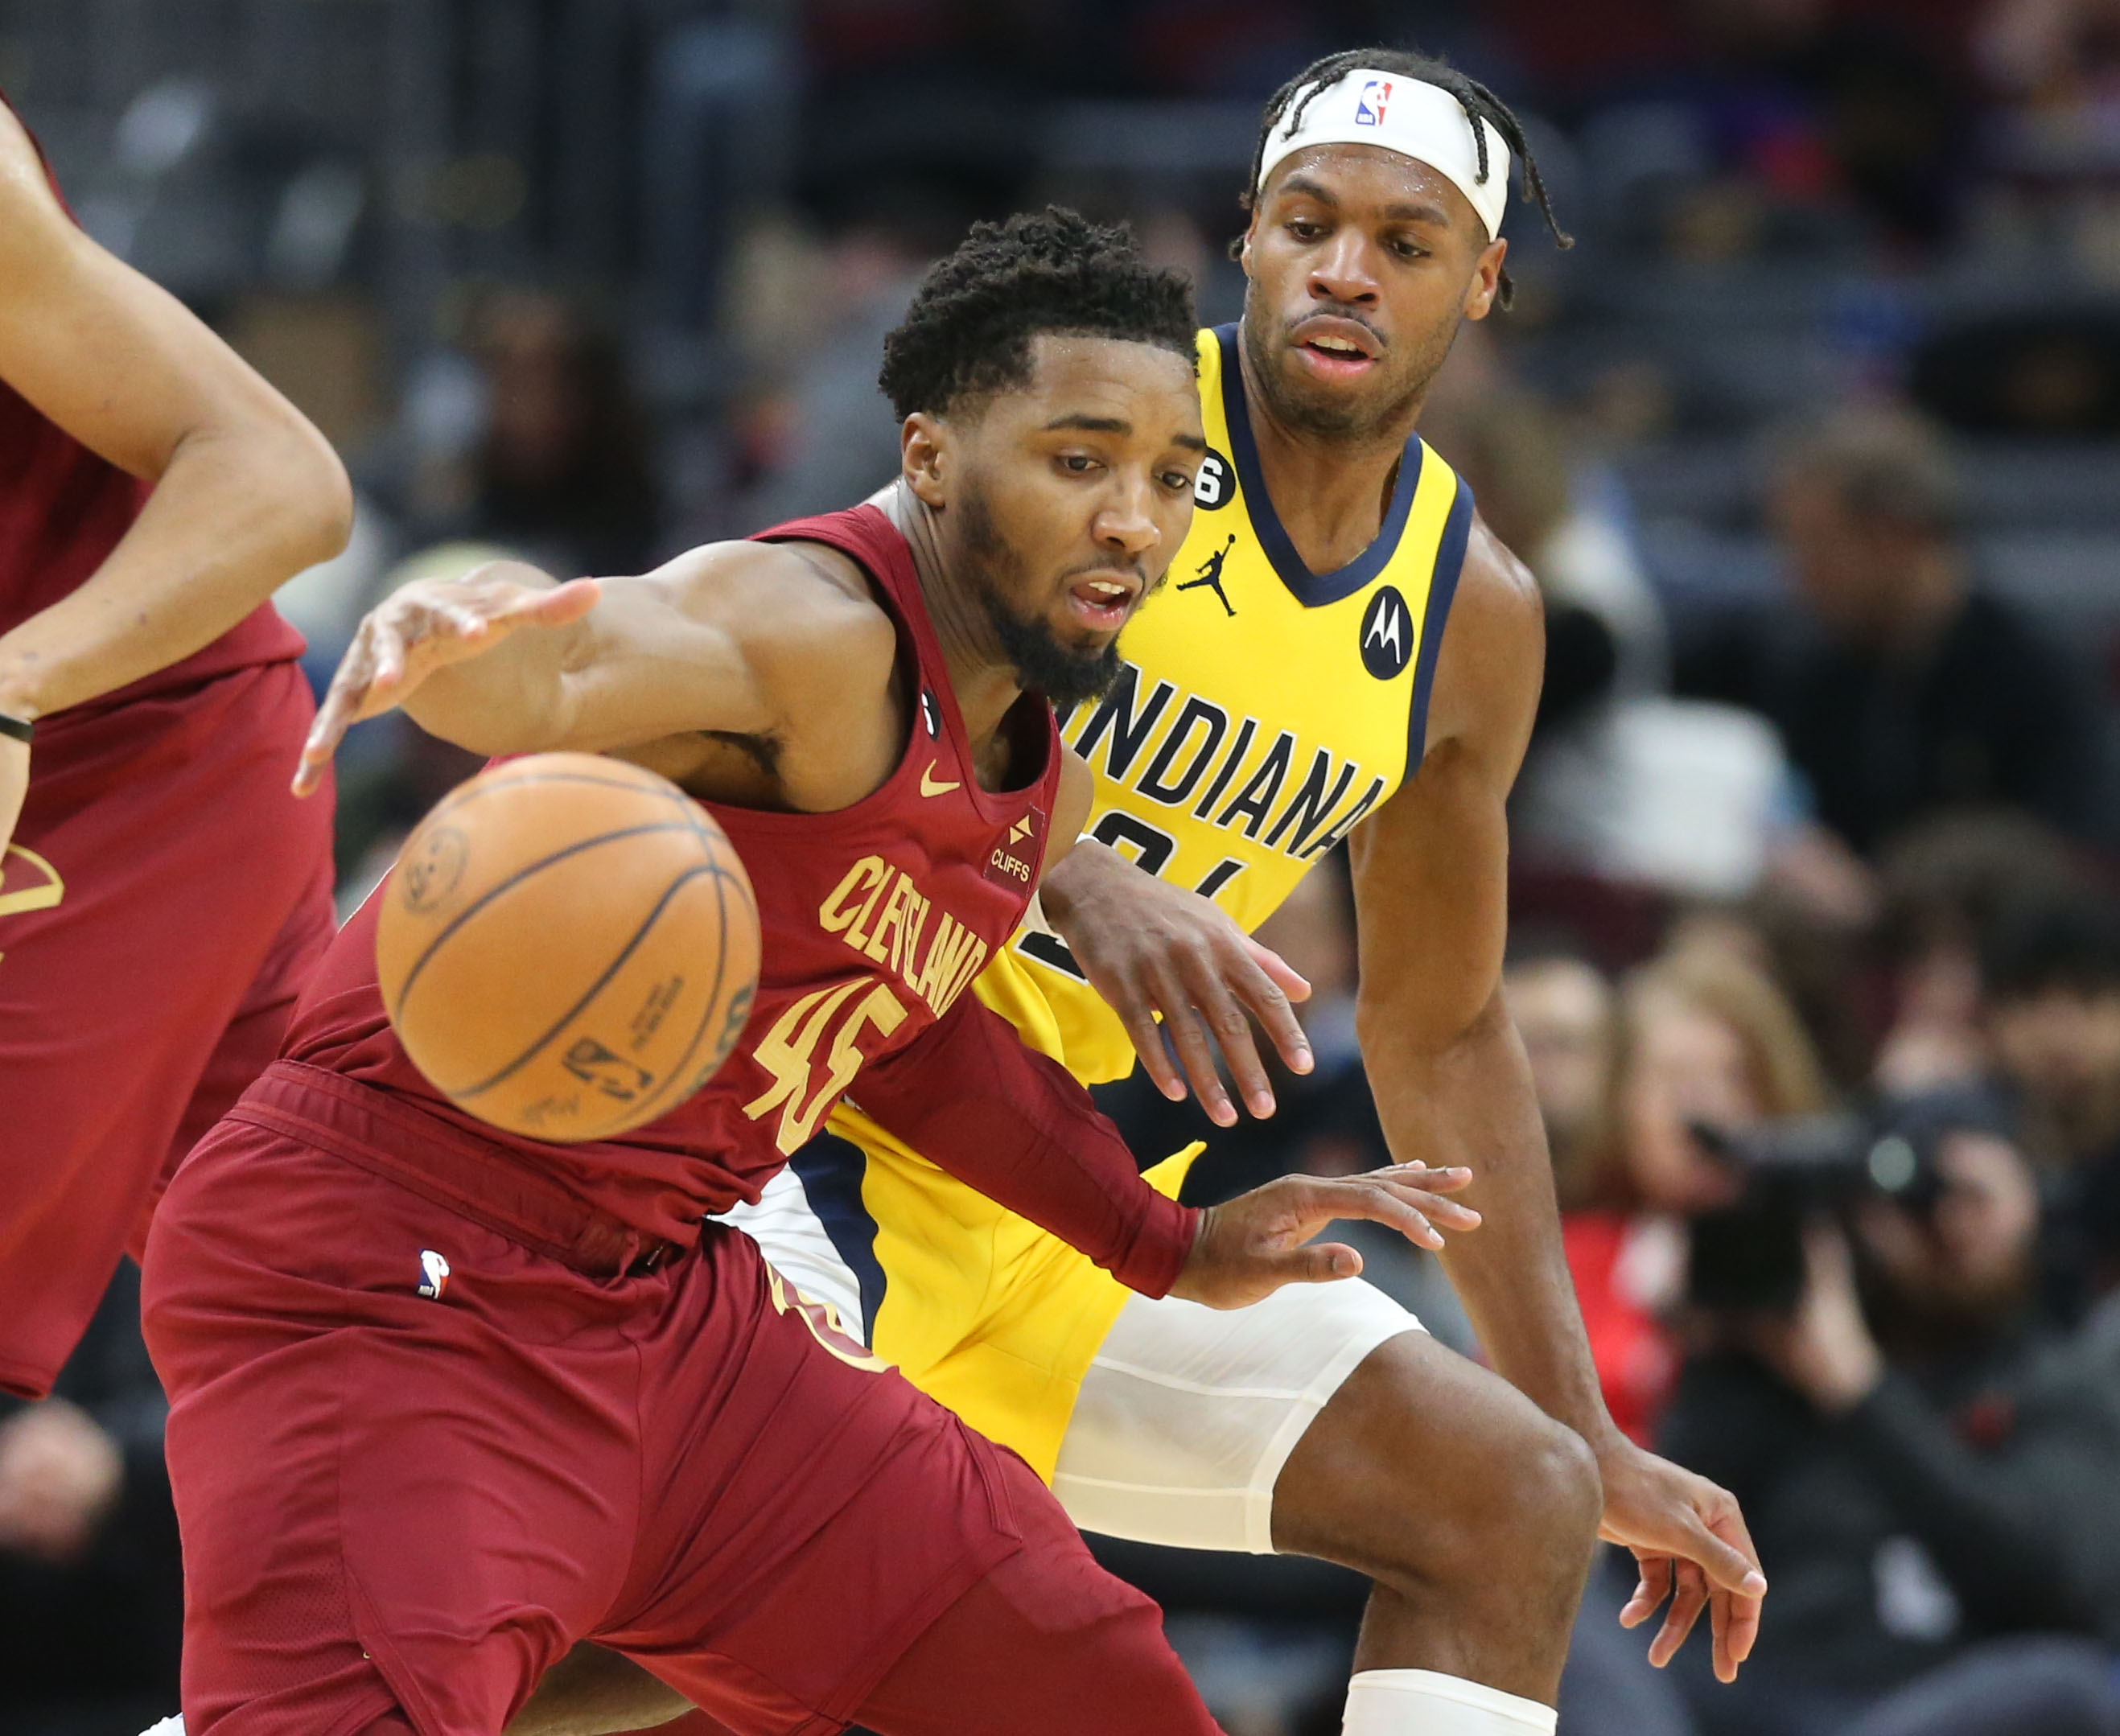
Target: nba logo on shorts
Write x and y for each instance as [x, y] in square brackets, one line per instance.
[433, 1274]
[1370, 105]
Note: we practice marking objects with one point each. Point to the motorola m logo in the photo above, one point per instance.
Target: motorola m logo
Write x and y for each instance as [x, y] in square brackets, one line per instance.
[1387, 633]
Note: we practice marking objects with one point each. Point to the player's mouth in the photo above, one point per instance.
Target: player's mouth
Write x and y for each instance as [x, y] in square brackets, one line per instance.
[1101, 601]
[1336, 350]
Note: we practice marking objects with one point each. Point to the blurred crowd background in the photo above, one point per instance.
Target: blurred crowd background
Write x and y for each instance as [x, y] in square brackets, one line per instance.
[1813, 443]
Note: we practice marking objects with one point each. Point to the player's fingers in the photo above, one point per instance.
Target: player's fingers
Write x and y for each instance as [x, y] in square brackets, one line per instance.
[348, 687]
[1195, 1054]
[1734, 1626]
[1146, 1035]
[1359, 1197]
[1314, 1263]
[559, 605]
[1224, 1015]
[1689, 1598]
[1448, 1179]
[1290, 981]
[1267, 996]
[1651, 1586]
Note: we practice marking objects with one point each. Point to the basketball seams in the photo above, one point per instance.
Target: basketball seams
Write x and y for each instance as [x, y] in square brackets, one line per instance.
[525, 872]
[713, 1007]
[596, 988]
[672, 927]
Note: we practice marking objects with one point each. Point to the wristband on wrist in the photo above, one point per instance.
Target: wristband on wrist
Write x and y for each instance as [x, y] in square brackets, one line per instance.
[19, 728]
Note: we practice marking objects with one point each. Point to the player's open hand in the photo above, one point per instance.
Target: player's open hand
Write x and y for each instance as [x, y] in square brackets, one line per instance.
[426, 626]
[1153, 950]
[1249, 1247]
[1690, 1544]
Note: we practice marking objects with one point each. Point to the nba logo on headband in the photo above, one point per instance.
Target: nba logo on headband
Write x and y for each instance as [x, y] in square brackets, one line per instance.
[1370, 105]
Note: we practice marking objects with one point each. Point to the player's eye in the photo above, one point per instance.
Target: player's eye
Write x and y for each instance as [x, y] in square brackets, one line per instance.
[1080, 463]
[1406, 249]
[1178, 482]
[1303, 229]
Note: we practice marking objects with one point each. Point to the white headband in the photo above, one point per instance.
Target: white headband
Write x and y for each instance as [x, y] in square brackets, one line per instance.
[1408, 115]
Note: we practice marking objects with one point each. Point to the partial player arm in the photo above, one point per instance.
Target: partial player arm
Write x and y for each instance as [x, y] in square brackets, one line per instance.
[969, 1096]
[776, 642]
[247, 492]
[1452, 1085]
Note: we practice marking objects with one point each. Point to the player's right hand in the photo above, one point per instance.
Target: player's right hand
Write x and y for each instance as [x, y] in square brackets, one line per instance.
[1250, 1246]
[424, 627]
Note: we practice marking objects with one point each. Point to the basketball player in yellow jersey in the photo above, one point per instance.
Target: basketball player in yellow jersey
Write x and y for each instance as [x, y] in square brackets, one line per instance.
[1342, 651]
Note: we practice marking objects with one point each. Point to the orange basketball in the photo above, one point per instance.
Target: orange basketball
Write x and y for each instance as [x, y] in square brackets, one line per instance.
[568, 947]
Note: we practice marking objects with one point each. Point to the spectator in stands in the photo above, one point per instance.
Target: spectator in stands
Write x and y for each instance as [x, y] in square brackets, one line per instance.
[1905, 686]
[92, 1588]
[1929, 1477]
[1704, 1037]
[2050, 987]
[1942, 889]
[565, 468]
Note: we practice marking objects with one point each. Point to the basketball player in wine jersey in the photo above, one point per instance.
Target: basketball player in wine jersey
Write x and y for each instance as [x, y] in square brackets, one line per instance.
[161, 894]
[612, 1422]
[1345, 652]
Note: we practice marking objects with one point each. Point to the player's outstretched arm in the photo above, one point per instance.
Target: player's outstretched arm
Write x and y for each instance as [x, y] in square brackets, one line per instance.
[781, 643]
[246, 492]
[1452, 1086]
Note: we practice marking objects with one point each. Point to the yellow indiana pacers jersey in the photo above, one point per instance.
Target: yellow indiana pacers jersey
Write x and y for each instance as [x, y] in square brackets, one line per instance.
[1263, 712]
[1263, 709]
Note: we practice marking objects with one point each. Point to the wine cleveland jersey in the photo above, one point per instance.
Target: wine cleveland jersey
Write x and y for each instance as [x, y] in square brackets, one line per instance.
[875, 918]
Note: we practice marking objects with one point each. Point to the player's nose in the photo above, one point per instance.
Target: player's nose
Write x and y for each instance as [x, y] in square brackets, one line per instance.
[1343, 272]
[1126, 524]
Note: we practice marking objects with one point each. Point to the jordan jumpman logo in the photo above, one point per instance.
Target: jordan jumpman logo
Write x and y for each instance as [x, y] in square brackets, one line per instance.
[1210, 575]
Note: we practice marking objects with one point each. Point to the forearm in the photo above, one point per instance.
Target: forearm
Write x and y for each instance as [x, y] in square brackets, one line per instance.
[971, 1098]
[233, 518]
[1471, 1104]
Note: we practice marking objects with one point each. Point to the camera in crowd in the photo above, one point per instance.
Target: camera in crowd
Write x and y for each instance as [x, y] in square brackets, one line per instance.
[1748, 1256]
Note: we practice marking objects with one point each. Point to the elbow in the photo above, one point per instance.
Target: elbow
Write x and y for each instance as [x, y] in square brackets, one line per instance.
[318, 499]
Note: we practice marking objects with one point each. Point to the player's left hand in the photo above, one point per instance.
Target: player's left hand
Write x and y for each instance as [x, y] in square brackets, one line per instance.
[14, 786]
[1690, 1542]
[1155, 951]
[1250, 1246]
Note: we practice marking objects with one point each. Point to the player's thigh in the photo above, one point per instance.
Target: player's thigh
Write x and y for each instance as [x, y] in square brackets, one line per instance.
[1189, 1414]
[385, 1500]
[808, 1510]
[1046, 1643]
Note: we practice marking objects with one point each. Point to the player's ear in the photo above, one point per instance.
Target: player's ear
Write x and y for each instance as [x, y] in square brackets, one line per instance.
[1486, 279]
[1244, 246]
[924, 457]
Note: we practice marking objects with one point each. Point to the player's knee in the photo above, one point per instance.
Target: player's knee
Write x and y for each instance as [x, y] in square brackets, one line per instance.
[1529, 1513]
[1562, 1494]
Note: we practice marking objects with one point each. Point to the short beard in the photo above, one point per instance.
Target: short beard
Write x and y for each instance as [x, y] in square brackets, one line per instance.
[1327, 414]
[1041, 661]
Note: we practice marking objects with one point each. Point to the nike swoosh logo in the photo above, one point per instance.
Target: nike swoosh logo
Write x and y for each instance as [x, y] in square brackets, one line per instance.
[929, 786]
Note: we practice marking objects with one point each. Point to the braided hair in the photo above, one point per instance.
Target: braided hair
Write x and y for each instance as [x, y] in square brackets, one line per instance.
[1287, 105]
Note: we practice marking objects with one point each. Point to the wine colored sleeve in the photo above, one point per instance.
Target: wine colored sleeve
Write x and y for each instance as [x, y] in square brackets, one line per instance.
[969, 1096]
